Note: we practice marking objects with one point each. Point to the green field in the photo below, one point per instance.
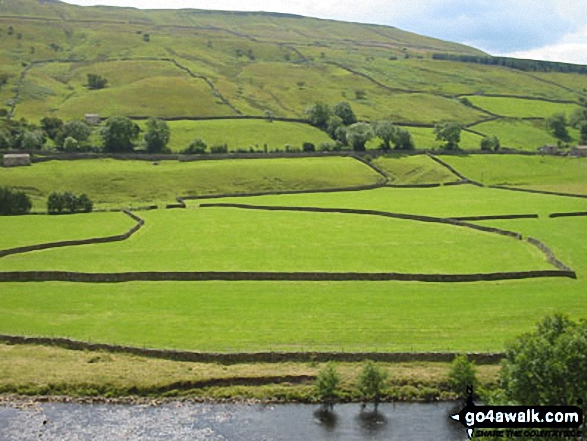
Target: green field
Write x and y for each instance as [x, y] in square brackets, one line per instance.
[550, 173]
[521, 108]
[244, 134]
[417, 169]
[119, 183]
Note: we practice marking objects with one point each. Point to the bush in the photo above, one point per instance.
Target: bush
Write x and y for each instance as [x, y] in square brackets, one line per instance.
[77, 129]
[32, 140]
[219, 148]
[157, 136]
[327, 383]
[58, 203]
[371, 382]
[5, 139]
[461, 375]
[13, 202]
[309, 147]
[197, 147]
[96, 81]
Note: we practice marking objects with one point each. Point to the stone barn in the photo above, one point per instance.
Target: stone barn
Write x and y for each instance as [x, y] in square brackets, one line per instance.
[580, 150]
[16, 159]
[93, 119]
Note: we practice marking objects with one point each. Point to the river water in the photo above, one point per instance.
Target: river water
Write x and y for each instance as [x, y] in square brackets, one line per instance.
[231, 422]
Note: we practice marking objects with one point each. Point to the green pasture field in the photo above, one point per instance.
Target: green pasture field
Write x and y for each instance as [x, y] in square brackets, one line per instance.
[521, 108]
[425, 139]
[520, 134]
[452, 201]
[121, 183]
[18, 231]
[416, 169]
[243, 134]
[230, 239]
[550, 173]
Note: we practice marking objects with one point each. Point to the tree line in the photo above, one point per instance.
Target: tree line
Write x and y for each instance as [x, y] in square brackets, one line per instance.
[15, 202]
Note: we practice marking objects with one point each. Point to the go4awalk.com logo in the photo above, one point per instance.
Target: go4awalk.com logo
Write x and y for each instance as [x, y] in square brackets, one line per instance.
[521, 421]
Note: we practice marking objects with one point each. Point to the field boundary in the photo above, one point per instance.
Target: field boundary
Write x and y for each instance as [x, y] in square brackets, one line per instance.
[529, 190]
[254, 357]
[453, 170]
[573, 214]
[69, 243]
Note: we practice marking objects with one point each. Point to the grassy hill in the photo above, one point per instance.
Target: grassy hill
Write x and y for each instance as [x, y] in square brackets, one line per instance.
[195, 63]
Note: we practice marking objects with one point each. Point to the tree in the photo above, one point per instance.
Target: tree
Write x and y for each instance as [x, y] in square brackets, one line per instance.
[461, 375]
[269, 115]
[371, 382]
[70, 144]
[326, 385]
[76, 129]
[32, 139]
[318, 114]
[402, 140]
[557, 124]
[450, 133]
[577, 117]
[157, 136]
[13, 202]
[385, 130]
[51, 125]
[196, 147]
[344, 111]
[490, 143]
[58, 203]
[358, 135]
[332, 125]
[547, 366]
[5, 139]
[582, 126]
[119, 134]
[55, 203]
[96, 81]
[308, 147]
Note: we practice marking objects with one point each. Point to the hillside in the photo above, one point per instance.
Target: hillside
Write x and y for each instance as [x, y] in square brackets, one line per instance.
[185, 64]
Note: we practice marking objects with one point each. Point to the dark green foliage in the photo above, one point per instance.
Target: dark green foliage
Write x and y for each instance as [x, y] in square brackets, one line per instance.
[219, 148]
[549, 365]
[308, 147]
[515, 63]
[51, 125]
[461, 375]
[557, 124]
[344, 111]
[450, 133]
[385, 130]
[327, 384]
[358, 135]
[490, 143]
[146, 38]
[582, 126]
[157, 136]
[371, 382]
[3, 79]
[318, 114]
[333, 125]
[196, 147]
[577, 117]
[5, 139]
[119, 134]
[67, 202]
[76, 129]
[402, 140]
[32, 139]
[96, 81]
[13, 202]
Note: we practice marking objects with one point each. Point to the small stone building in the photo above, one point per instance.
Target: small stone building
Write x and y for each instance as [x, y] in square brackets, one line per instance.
[16, 159]
[549, 149]
[580, 150]
[93, 119]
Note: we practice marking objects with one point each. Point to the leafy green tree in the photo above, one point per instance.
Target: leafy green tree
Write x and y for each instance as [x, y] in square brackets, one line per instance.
[157, 135]
[58, 203]
[32, 139]
[385, 130]
[402, 140]
[461, 375]
[55, 203]
[76, 129]
[577, 117]
[548, 366]
[318, 114]
[70, 144]
[13, 202]
[344, 111]
[84, 203]
[450, 133]
[52, 126]
[5, 139]
[358, 135]
[327, 383]
[371, 382]
[557, 124]
[490, 143]
[96, 81]
[332, 125]
[196, 147]
[582, 126]
[308, 147]
[119, 134]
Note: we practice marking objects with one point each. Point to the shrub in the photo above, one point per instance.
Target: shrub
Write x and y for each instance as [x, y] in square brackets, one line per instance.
[32, 139]
[13, 202]
[461, 375]
[196, 147]
[96, 81]
[309, 147]
[58, 203]
[219, 148]
[327, 383]
[371, 382]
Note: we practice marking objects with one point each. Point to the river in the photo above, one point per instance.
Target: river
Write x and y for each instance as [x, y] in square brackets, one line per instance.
[231, 422]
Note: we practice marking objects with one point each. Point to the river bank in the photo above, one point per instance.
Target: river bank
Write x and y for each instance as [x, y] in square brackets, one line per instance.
[55, 374]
